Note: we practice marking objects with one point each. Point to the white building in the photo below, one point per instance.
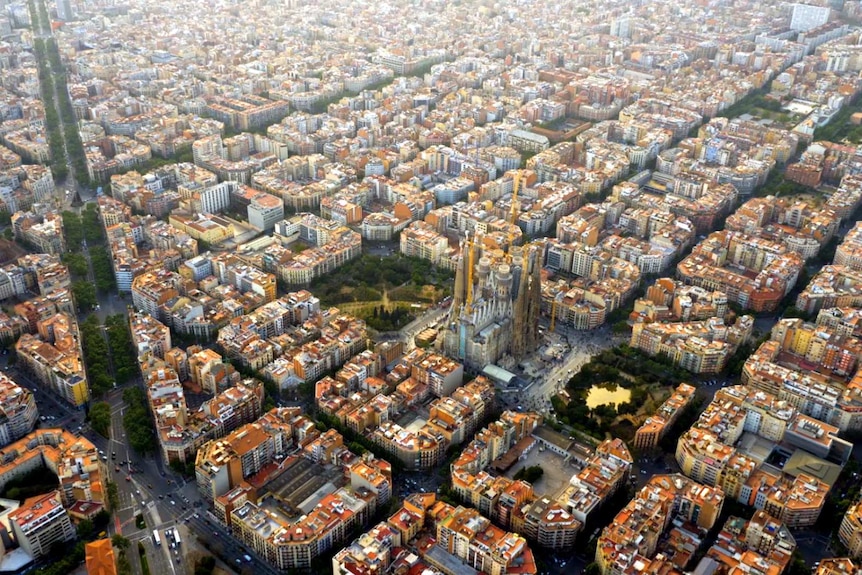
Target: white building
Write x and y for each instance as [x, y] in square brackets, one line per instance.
[40, 523]
[18, 413]
[264, 211]
[215, 199]
[64, 10]
[378, 227]
[805, 17]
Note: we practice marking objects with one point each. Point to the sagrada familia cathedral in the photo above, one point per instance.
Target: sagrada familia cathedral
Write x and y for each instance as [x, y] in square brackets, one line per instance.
[495, 307]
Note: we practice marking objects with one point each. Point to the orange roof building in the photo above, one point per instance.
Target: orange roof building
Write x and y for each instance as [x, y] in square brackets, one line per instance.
[100, 558]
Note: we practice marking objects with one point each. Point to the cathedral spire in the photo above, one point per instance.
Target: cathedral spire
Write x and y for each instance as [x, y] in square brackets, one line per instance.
[519, 342]
[459, 295]
[534, 301]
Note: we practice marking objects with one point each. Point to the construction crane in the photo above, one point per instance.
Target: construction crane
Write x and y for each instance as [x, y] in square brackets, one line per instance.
[469, 273]
[513, 213]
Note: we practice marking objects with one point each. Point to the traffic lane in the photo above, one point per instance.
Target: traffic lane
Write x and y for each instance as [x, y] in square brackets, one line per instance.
[219, 541]
[118, 454]
[159, 555]
[41, 392]
[647, 467]
[110, 304]
[814, 547]
[583, 346]
[173, 514]
[203, 525]
[207, 528]
[158, 563]
[154, 487]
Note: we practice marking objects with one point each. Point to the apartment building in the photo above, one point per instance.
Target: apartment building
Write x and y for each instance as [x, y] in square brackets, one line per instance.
[699, 346]
[247, 112]
[43, 231]
[332, 245]
[711, 452]
[629, 544]
[209, 370]
[441, 374]
[472, 538]
[760, 544]
[651, 432]
[552, 520]
[152, 289]
[604, 471]
[832, 286]
[818, 345]
[850, 531]
[149, 335]
[181, 432]
[836, 566]
[849, 251]
[807, 16]
[209, 200]
[797, 225]
[265, 454]
[421, 449]
[74, 460]
[668, 299]
[755, 273]
[41, 522]
[55, 358]
[19, 411]
[422, 241]
[222, 464]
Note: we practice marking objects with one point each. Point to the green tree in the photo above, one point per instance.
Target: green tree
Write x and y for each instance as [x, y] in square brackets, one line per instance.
[137, 421]
[113, 495]
[86, 529]
[120, 542]
[102, 270]
[73, 229]
[76, 263]
[100, 521]
[100, 418]
[85, 295]
[797, 565]
[205, 565]
[530, 474]
[122, 351]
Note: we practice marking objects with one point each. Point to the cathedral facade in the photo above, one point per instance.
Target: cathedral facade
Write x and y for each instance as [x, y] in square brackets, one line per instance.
[495, 306]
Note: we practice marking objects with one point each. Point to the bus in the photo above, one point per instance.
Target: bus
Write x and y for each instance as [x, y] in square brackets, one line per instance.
[156, 538]
[177, 536]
